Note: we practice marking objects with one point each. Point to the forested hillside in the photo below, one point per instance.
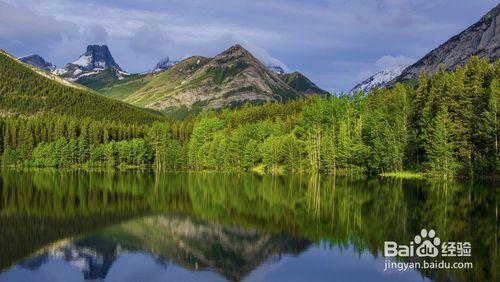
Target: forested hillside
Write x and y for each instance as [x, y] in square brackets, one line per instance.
[25, 92]
[445, 126]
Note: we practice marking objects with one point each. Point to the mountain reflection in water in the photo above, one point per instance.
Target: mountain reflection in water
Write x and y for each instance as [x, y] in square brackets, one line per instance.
[207, 226]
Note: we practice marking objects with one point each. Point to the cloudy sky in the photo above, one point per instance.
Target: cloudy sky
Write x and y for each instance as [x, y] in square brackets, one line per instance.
[336, 43]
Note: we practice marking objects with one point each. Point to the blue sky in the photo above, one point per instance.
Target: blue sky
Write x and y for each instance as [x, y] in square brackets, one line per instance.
[336, 43]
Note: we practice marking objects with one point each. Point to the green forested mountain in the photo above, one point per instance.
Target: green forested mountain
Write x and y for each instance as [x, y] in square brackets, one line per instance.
[26, 91]
[447, 125]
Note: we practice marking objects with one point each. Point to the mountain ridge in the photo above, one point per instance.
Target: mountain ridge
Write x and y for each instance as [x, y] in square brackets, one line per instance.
[231, 78]
[481, 38]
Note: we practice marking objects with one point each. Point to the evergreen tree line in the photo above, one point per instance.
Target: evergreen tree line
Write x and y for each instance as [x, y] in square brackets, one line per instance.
[446, 124]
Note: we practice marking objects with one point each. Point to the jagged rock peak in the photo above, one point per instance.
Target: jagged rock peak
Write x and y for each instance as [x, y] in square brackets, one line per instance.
[96, 56]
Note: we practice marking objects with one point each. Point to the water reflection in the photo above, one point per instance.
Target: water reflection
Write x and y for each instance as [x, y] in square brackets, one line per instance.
[224, 226]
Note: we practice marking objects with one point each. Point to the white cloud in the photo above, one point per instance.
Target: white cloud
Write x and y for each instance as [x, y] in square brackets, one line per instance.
[390, 61]
[95, 34]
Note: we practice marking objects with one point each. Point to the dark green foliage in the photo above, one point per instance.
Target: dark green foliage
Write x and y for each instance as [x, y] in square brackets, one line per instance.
[439, 146]
[302, 84]
[446, 125]
[25, 92]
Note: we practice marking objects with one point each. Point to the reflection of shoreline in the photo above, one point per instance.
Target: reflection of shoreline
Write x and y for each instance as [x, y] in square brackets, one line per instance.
[229, 251]
[343, 211]
[29, 236]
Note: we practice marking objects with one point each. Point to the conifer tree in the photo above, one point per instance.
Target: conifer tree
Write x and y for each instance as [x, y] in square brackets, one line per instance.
[441, 159]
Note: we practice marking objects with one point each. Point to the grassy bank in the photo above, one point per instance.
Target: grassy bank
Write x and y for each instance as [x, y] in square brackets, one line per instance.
[403, 174]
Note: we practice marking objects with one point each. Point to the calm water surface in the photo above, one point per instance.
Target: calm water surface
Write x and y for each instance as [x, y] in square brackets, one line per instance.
[137, 226]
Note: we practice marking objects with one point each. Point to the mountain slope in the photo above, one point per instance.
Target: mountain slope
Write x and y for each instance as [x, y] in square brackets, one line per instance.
[302, 84]
[481, 39]
[378, 80]
[119, 89]
[229, 79]
[27, 91]
[39, 62]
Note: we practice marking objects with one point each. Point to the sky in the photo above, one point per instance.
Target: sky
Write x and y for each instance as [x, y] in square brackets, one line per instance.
[336, 43]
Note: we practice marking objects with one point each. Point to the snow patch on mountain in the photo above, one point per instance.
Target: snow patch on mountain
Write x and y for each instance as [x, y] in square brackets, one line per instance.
[96, 58]
[83, 61]
[379, 79]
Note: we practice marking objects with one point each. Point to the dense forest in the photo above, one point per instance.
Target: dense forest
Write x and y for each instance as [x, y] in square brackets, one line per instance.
[26, 92]
[445, 124]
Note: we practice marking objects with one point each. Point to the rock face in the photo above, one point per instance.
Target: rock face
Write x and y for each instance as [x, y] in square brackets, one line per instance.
[39, 62]
[378, 80]
[229, 79]
[481, 39]
[97, 58]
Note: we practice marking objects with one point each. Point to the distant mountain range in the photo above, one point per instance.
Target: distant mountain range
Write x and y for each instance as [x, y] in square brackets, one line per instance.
[232, 78]
[235, 77]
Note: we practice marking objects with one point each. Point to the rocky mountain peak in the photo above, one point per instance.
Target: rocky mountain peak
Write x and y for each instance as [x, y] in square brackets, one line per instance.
[235, 53]
[97, 56]
[96, 59]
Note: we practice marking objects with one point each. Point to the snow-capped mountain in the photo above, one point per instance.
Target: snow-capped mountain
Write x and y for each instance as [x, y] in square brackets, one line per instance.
[39, 62]
[379, 79]
[164, 65]
[96, 59]
[276, 69]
